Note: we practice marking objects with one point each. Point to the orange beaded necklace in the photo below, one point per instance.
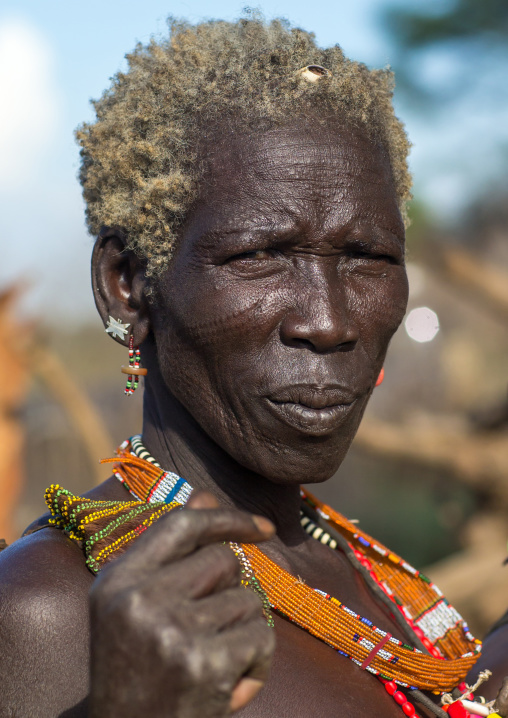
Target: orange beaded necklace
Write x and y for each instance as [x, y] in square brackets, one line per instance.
[102, 529]
[330, 620]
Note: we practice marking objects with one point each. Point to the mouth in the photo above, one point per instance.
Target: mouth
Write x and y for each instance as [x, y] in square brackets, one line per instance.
[315, 411]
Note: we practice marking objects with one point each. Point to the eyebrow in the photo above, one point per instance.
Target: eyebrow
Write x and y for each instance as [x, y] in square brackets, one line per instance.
[212, 235]
[380, 237]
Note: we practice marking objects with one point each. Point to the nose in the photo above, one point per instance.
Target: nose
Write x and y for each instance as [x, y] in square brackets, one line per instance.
[319, 316]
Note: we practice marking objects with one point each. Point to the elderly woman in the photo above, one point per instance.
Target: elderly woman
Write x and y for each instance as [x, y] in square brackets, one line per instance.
[248, 191]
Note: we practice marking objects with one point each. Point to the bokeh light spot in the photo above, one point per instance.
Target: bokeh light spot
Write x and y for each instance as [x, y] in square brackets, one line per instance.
[422, 324]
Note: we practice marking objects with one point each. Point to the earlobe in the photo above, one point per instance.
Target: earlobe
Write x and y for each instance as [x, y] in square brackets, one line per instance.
[119, 286]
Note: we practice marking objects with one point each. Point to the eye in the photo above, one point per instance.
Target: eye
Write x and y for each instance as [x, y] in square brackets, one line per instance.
[256, 263]
[256, 254]
[373, 257]
[372, 264]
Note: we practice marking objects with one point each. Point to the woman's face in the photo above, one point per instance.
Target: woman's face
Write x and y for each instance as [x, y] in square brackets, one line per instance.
[273, 320]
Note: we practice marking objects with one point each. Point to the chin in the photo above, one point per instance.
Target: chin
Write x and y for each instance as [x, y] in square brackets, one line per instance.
[303, 458]
[292, 467]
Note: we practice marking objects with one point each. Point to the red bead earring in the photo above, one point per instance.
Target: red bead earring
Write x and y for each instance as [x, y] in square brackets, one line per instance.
[134, 370]
[380, 377]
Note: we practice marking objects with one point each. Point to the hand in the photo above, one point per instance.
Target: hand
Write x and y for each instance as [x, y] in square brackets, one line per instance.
[173, 633]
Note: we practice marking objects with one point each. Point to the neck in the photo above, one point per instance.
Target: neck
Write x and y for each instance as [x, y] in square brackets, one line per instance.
[179, 444]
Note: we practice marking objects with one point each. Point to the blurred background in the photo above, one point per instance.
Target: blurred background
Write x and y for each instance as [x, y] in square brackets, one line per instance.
[428, 473]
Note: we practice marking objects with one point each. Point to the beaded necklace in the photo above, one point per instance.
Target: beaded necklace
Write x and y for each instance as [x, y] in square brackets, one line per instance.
[434, 622]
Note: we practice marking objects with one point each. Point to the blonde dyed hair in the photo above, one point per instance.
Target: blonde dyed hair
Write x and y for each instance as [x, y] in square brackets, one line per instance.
[140, 166]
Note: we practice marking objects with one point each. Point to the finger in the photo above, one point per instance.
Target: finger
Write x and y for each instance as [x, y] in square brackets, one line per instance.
[244, 691]
[202, 500]
[209, 570]
[181, 532]
[222, 611]
[246, 650]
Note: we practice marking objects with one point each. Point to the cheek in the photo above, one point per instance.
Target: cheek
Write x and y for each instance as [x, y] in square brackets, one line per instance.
[207, 333]
[380, 305]
[218, 317]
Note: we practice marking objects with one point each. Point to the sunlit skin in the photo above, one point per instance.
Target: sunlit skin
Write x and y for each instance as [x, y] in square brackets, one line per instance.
[287, 265]
[263, 341]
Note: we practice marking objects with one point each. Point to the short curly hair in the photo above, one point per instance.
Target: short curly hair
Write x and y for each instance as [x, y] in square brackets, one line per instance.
[140, 168]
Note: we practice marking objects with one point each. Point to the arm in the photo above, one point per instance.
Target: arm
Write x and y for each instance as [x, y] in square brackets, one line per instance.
[44, 635]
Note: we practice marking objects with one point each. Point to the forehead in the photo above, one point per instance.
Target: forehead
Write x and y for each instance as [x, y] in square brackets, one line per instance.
[328, 175]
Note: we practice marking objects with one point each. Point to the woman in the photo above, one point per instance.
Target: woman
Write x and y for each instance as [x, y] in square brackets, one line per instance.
[248, 192]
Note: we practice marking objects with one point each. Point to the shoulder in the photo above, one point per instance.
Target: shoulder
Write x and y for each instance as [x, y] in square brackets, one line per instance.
[44, 620]
[43, 563]
[44, 586]
[45, 566]
[43, 576]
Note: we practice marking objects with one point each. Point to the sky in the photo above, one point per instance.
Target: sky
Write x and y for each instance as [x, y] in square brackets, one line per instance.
[55, 56]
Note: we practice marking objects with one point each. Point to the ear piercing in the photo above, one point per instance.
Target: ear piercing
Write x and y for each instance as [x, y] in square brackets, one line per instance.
[116, 328]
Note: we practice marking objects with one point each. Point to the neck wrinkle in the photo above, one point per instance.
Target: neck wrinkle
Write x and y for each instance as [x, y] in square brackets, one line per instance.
[179, 444]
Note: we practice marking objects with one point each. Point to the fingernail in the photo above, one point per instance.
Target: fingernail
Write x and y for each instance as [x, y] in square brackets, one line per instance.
[244, 691]
[264, 525]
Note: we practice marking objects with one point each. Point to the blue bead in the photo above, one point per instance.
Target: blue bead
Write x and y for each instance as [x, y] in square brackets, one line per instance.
[176, 488]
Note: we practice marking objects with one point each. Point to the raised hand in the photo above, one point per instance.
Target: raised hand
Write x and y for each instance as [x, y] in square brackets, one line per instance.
[173, 633]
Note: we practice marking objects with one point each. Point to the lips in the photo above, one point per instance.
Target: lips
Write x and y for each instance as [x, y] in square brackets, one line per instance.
[314, 410]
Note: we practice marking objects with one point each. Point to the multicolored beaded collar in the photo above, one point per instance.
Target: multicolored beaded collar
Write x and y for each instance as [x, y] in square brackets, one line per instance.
[105, 529]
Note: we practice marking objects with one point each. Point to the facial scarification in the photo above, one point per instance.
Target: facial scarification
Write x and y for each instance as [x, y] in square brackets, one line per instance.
[274, 317]
[209, 329]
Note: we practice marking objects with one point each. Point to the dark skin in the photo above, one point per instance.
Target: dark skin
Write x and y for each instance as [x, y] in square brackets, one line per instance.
[263, 341]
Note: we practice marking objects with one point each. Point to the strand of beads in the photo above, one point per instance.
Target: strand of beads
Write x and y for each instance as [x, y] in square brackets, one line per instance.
[392, 689]
[249, 580]
[134, 358]
[312, 529]
[134, 370]
[433, 650]
[328, 619]
[422, 601]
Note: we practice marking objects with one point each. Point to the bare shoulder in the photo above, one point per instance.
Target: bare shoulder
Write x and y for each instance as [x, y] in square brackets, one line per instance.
[44, 634]
[43, 564]
[45, 569]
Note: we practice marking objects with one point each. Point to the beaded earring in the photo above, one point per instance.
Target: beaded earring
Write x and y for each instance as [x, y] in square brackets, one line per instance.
[380, 377]
[134, 370]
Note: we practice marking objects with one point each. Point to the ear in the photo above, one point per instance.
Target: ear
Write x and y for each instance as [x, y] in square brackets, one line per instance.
[119, 284]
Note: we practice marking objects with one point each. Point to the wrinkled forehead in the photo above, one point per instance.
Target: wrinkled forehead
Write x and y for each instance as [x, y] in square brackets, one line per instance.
[303, 171]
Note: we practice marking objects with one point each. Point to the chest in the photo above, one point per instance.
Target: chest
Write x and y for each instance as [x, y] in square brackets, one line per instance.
[308, 678]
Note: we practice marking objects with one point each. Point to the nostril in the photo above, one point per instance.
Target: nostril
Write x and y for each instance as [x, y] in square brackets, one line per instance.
[301, 344]
[321, 348]
[346, 346]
